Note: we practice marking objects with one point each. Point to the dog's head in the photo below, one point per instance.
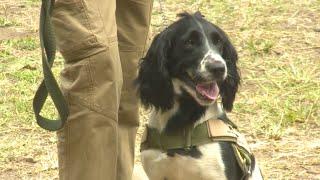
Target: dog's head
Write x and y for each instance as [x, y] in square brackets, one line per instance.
[192, 55]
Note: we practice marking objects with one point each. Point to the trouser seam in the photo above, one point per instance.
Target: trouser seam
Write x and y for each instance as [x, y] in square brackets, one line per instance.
[94, 108]
[91, 83]
[149, 21]
[70, 53]
[104, 47]
[87, 16]
[104, 25]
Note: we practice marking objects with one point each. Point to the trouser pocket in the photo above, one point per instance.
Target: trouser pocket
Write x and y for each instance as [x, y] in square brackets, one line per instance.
[95, 82]
[81, 30]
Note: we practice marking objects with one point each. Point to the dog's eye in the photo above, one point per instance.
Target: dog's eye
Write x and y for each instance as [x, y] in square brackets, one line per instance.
[215, 38]
[192, 40]
[189, 43]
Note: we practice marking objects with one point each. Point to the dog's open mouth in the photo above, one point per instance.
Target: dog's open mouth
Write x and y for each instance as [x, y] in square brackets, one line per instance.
[208, 91]
[205, 90]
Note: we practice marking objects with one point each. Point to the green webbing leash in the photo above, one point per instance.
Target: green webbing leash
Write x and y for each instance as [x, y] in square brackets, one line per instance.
[49, 84]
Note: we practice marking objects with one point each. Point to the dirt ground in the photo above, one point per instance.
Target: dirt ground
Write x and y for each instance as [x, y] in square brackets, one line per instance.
[277, 107]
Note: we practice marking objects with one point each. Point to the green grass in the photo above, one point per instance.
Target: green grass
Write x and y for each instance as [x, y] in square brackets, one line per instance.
[21, 74]
[33, 2]
[4, 22]
[28, 44]
[259, 46]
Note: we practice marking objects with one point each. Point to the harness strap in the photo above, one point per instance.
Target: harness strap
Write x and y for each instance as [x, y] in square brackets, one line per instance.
[213, 130]
[218, 128]
[197, 136]
[49, 84]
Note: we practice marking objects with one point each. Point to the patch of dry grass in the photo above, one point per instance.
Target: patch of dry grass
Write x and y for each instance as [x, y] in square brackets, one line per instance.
[277, 106]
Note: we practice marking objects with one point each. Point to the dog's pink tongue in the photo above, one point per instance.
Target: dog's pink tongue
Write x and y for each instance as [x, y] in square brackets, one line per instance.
[211, 91]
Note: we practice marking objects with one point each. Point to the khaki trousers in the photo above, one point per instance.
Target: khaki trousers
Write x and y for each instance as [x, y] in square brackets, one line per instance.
[101, 41]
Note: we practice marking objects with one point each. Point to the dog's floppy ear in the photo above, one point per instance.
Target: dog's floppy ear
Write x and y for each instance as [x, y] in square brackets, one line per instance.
[154, 83]
[229, 87]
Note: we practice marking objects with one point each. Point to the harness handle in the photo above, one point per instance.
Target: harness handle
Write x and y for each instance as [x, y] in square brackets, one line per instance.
[49, 84]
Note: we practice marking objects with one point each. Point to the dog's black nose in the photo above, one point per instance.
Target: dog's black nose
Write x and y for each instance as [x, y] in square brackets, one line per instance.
[216, 68]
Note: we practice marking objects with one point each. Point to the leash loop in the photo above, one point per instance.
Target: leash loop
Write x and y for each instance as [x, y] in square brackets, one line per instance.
[49, 85]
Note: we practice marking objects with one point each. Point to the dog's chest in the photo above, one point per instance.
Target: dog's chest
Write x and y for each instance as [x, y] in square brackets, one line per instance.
[159, 166]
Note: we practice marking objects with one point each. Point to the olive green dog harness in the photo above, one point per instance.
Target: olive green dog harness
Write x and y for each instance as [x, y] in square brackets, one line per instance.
[212, 130]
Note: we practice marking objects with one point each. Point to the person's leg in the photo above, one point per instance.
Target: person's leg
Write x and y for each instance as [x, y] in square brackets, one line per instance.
[91, 81]
[133, 20]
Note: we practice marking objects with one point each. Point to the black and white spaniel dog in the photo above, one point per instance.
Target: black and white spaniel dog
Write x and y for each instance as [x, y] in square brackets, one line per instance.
[187, 68]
